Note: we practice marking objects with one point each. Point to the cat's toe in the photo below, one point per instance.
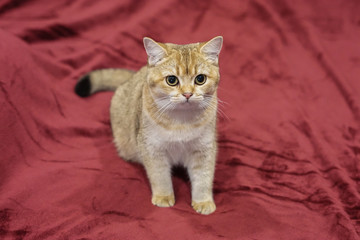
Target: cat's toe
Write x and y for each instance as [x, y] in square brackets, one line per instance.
[205, 208]
[163, 201]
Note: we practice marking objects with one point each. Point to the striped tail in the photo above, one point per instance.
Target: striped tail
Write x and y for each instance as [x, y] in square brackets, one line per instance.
[102, 80]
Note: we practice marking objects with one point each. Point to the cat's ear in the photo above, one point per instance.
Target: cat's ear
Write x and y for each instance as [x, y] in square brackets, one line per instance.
[211, 49]
[154, 51]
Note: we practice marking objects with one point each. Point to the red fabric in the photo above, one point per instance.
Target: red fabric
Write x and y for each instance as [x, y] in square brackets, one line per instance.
[289, 145]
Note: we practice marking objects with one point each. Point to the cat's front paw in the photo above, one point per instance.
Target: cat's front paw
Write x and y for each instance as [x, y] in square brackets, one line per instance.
[205, 208]
[163, 201]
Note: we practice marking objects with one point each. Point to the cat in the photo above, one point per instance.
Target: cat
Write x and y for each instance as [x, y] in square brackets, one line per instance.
[165, 115]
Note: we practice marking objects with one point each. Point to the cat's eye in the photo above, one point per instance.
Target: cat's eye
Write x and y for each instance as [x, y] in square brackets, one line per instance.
[172, 80]
[200, 79]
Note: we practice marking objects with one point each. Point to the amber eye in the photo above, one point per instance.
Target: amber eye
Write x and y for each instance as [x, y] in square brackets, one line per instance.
[172, 80]
[200, 79]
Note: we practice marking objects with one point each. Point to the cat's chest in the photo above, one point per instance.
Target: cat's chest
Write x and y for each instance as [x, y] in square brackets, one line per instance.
[178, 145]
[179, 153]
[159, 136]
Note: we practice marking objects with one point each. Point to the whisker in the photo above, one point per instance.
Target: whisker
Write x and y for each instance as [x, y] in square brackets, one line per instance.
[168, 106]
[216, 107]
[163, 108]
[222, 102]
[218, 99]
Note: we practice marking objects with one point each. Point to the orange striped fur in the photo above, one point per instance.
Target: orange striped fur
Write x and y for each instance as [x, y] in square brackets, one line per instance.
[160, 125]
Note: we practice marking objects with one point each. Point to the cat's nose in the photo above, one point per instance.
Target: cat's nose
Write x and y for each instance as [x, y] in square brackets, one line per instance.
[187, 95]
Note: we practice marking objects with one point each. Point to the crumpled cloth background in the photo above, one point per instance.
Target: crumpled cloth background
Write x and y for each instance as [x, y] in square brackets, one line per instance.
[289, 140]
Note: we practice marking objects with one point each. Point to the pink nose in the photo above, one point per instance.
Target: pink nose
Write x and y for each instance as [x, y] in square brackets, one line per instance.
[187, 95]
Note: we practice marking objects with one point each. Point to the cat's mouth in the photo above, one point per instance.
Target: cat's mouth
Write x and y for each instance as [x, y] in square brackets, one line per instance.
[187, 104]
[169, 104]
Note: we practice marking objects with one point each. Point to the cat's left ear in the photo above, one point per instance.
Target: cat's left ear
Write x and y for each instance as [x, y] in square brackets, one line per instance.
[211, 49]
[154, 51]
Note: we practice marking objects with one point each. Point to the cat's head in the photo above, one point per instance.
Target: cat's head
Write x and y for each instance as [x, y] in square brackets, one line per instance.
[183, 77]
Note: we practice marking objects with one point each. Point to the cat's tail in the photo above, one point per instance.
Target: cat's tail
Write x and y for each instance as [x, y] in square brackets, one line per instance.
[102, 80]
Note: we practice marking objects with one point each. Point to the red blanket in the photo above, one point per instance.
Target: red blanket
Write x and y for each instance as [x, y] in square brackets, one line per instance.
[289, 128]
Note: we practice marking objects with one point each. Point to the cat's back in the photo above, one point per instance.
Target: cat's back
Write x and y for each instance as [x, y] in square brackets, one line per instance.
[125, 110]
[129, 92]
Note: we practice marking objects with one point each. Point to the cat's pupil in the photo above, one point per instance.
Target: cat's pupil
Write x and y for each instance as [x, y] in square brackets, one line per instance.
[172, 79]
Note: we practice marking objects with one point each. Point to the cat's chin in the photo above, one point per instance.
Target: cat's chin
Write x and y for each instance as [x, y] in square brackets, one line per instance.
[186, 106]
[185, 112]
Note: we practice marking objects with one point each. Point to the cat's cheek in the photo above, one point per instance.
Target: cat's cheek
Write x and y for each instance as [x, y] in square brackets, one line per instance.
[209, 90]
[159, 91]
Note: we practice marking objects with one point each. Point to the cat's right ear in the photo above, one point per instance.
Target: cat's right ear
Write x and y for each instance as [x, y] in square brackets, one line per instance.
[154, 51]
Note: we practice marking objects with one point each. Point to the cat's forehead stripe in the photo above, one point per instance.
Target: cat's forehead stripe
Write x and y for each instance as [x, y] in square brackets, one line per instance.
[185, 61]
[188, 64]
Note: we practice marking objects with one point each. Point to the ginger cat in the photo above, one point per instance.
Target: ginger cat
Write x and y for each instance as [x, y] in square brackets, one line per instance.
[165, 115]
